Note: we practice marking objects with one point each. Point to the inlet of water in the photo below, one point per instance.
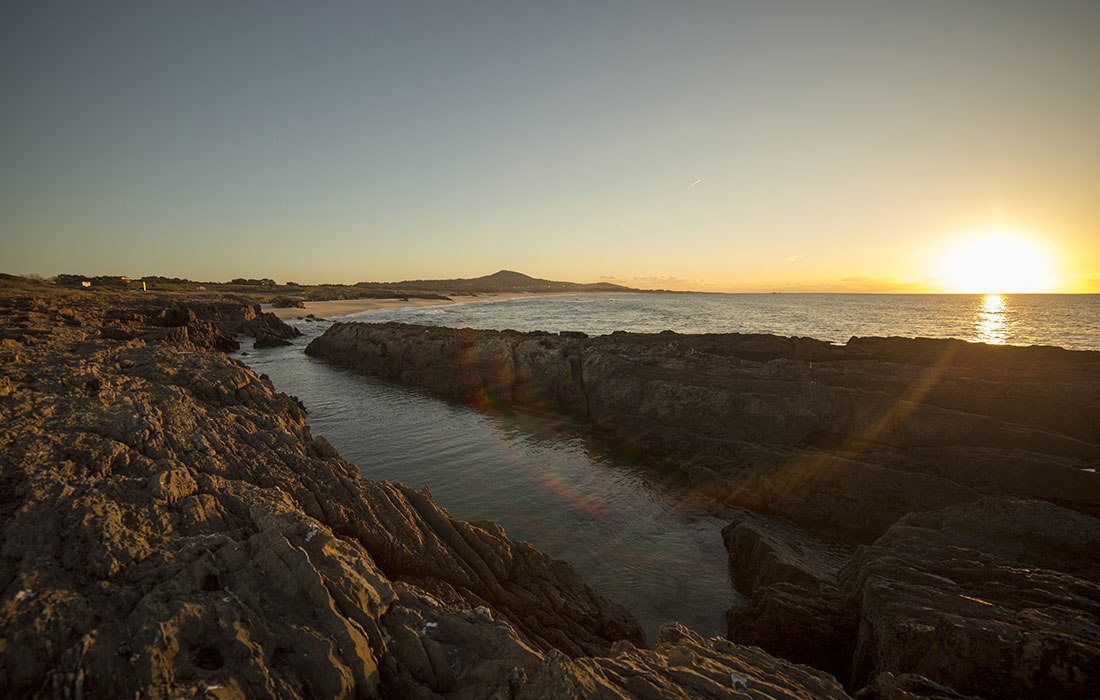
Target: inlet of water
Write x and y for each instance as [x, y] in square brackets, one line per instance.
[645, 541]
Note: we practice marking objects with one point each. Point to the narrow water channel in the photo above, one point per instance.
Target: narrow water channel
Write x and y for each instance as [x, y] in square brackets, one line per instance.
[648, 543]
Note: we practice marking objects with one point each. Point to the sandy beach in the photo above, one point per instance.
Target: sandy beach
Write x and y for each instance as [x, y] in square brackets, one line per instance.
[344, 307]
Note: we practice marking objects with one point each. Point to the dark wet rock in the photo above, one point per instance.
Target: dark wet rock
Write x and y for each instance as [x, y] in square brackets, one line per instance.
[210, 323]
[213, 324]
[849, 438]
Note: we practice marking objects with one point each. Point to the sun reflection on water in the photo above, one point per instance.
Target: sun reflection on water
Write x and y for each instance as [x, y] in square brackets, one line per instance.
[992, 323]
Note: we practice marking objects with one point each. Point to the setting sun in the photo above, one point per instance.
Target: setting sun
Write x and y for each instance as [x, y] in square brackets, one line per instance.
[998, 261]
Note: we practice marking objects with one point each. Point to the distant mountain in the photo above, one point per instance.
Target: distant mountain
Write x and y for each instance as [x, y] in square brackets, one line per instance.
[509, 281]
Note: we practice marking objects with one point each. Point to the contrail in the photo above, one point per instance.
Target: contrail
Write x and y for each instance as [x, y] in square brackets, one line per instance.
[695, 183]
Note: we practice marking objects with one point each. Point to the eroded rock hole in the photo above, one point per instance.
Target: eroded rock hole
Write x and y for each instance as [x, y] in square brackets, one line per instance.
[207, 657]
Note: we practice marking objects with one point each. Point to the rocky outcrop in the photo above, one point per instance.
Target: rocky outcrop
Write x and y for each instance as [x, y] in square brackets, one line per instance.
[288, 303]
[841, 437]
[211, 323]
[171, 528]
[997, 598]
[967, 472]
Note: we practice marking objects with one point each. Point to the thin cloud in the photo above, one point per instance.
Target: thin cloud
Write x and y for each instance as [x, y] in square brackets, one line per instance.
[791, 258]
[666, 280]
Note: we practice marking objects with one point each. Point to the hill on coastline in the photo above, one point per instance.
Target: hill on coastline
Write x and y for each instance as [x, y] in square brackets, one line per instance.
[498, 282]
[509, 281]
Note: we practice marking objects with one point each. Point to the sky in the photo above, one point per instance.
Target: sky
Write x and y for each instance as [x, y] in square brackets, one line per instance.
[720, 146]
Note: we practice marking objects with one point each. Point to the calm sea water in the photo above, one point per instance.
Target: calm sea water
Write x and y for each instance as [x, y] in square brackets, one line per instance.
[645, 541]
[1067, 320]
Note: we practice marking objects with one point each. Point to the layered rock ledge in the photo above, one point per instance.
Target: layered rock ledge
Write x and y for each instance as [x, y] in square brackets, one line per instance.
[847, 437]
[171, 529]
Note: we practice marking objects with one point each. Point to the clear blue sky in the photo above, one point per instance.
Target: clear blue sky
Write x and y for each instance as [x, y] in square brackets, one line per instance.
[717, 145]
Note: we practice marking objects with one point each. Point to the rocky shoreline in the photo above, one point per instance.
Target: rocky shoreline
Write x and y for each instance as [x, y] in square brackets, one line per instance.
[962, 476]
[172, 529]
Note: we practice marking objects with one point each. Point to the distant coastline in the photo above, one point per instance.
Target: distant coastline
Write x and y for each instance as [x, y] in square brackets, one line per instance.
[333, 308]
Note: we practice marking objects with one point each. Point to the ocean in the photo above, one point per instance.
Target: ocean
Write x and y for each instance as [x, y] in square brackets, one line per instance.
[641, 537]
[1067, 320]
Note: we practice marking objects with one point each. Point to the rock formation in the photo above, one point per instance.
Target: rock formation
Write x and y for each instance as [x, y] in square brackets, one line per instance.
[996, 597]
[848, 438]
[288, 303]
[171, 528]
[796, 609]
[949, 488]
